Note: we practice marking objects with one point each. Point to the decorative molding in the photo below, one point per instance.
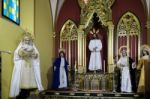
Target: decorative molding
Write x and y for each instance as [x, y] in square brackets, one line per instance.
[128, 25]
[101, 7]
[69, 31]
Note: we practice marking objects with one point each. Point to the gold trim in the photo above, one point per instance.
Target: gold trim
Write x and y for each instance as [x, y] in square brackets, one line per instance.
[146, 47]
[122, 48]
[148, 29]
[129, 25]
[68, 33]
[103, 10]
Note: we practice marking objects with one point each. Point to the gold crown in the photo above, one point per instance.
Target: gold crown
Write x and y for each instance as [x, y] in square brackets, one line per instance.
[145, 47]
[94, 31]
[27, 32]
[123, 48]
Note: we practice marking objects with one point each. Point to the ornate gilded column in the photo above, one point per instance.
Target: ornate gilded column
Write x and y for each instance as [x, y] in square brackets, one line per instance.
[110, 46]
[147, 4]
[81, 50]
[148, 31]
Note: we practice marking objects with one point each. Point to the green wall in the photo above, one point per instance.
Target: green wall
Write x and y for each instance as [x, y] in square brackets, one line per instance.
[10, 35]
[36, 17]
[44, 39]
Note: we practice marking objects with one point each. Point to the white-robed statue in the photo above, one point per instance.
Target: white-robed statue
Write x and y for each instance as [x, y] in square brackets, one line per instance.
[95, 46]
[26, 72]
[124, 65]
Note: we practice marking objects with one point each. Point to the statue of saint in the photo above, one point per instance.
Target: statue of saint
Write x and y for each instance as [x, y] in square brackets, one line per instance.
[60, 71]
[127, 69]
[26, 72]
[95, 46]
[145, 55]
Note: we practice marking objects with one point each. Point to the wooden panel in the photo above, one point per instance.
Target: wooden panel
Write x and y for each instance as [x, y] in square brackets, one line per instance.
[147, 79]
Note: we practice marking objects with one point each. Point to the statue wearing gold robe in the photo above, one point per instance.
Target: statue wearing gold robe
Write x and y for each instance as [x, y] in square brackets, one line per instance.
[145, 57]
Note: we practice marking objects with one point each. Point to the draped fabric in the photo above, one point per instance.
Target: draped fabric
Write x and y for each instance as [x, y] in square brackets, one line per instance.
[16, 75]
[95, 62]
[125, 74]
[56, 70]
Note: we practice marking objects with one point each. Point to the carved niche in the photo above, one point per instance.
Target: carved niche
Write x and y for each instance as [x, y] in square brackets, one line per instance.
[103, 10]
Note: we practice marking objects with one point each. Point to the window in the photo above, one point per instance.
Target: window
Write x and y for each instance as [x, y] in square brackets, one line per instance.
[11, 9]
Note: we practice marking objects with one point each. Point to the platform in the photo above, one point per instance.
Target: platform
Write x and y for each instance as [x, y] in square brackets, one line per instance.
[50, 94]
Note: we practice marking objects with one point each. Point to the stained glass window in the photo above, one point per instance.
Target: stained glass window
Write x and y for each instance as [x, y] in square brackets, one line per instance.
[11, 9]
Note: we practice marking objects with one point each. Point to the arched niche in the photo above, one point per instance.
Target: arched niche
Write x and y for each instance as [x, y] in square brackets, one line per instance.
[103, 10]
[128, 34]
[69, 41]
[102, 35]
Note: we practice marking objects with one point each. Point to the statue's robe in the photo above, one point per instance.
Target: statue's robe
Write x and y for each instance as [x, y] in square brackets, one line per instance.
[95, 62]
[18, 76]
[141, 83]
[128, 77]
[60, 73]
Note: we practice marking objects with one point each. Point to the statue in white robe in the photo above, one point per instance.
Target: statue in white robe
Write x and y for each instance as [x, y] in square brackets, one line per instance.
[95, 46]
[124, 65]
[26, 72]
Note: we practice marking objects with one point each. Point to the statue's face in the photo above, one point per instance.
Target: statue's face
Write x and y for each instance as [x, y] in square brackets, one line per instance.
[145, 52]
[124, 53]
[61, 54]
[27, 40]
[94, 35]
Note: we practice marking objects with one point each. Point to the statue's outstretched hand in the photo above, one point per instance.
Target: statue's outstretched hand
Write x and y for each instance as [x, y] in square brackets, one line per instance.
[133, 65]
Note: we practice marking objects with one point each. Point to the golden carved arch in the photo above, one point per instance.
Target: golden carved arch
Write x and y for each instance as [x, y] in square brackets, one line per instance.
[68, 31]
[128, 29]
[103, 10]
[101, 7]
[68, 38]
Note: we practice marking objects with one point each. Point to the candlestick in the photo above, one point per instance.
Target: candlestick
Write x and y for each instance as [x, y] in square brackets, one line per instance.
[104, 66]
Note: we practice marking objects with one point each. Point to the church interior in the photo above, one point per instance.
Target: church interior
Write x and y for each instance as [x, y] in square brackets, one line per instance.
[71, 24]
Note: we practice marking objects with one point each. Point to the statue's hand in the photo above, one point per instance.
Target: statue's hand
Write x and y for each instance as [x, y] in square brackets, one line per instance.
[34, 55]
[122, 65]
[94, 49]
[134, 65]
[54, 68]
